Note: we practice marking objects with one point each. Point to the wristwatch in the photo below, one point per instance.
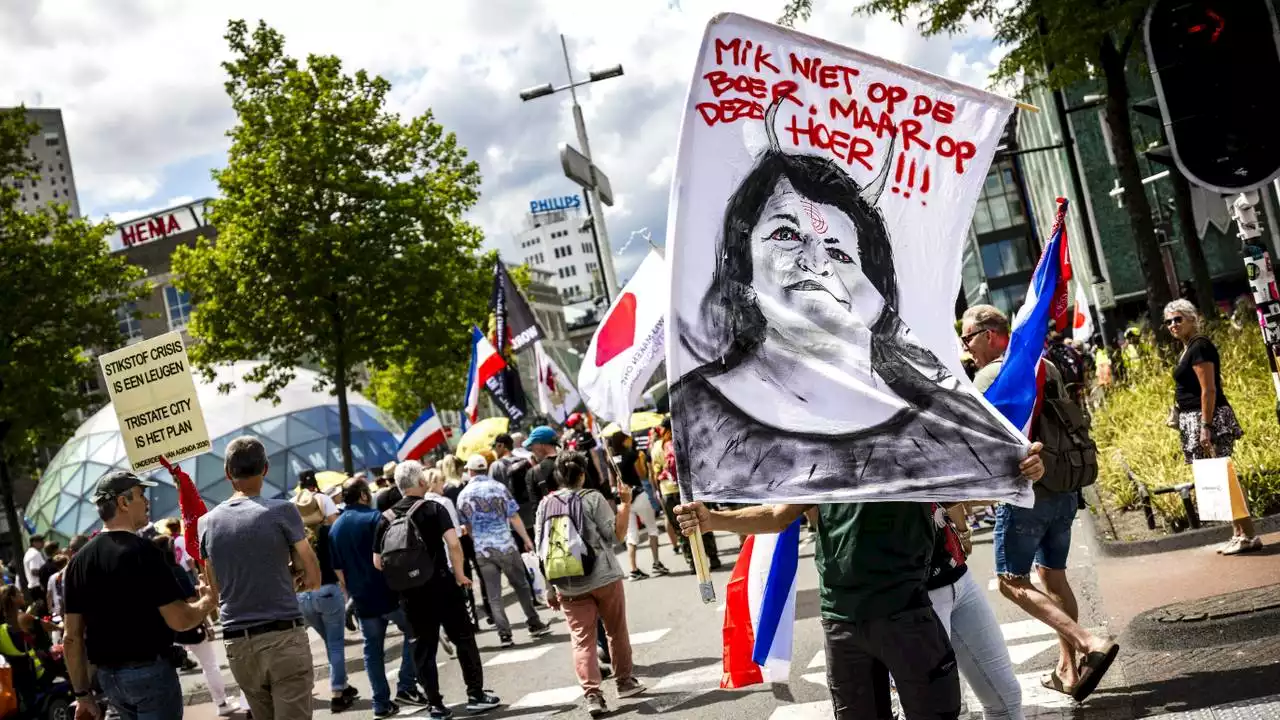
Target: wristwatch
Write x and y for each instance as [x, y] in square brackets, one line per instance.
[78, 694]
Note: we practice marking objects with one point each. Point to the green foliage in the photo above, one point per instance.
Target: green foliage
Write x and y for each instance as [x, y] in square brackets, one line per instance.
[59, 288]
[341, 241]
[1132, 425]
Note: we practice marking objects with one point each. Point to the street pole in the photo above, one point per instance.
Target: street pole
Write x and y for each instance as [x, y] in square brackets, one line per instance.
[598, 230]
[595, 238]
[1262, 281]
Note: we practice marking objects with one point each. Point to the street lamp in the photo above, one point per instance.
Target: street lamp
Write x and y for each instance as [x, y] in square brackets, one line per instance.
[604, 253]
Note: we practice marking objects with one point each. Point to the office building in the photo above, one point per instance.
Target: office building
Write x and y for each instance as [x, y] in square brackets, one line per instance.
[557, 239]
[1001, 249]
[1119, 288]
[55, 182]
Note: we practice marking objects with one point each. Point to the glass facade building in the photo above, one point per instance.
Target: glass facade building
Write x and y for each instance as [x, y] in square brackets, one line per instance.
[300, 432]
[998, 257]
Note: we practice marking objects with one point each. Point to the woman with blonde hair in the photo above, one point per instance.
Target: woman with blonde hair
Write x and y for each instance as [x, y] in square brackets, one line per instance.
[451, 466]
[1205, 420]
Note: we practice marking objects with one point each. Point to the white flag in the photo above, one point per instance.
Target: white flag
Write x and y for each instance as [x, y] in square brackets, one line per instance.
[557, 397]
[1082, 321]
[628, 345]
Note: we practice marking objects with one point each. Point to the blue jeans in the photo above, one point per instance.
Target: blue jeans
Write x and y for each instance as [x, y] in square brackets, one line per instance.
[143, 692]
[325, 611]
[374, 630]
[1039, 535]
[980, 649]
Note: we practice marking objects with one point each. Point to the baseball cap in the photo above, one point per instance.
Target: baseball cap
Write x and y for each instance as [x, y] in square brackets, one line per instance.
[389, 470]
[113, 485]
[573, 420]
[477, 462]
[542, 435]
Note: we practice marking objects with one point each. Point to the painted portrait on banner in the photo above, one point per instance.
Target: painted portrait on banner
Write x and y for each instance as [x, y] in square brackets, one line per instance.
[819, 210]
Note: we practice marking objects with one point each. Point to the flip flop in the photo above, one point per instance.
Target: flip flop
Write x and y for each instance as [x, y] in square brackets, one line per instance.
[1092, 667]
[1053, 682]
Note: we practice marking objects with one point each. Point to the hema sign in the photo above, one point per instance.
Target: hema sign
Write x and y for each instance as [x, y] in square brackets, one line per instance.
[157, 226]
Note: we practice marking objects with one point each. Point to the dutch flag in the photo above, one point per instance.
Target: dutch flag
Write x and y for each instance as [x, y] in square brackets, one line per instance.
[1017, 390]
[426, 434]
[760, 610]
[485, 363]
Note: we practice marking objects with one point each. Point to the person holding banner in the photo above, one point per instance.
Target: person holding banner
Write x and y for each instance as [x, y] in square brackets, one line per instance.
[1206, 421]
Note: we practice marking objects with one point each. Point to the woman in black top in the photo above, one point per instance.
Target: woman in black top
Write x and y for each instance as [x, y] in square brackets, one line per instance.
[1206, 421]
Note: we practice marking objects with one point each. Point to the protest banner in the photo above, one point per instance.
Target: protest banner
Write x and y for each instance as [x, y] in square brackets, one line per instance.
[155, 400]
[819, 211]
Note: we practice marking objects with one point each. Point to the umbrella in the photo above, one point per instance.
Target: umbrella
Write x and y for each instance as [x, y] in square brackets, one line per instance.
[643, 421]
[328, 479]
[480, 436]
[640, 422]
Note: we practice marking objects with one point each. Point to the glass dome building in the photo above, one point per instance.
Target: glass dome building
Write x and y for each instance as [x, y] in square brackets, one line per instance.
[300, 432]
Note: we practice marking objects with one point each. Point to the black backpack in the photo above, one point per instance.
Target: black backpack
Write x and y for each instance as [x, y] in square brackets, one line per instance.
[1070, 456]
[407, 560]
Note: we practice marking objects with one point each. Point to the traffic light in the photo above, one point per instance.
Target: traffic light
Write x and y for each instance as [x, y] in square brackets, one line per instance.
[1214, 63]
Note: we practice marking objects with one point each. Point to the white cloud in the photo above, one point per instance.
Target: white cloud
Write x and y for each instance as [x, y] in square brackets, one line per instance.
[117, 216]
[141, 86]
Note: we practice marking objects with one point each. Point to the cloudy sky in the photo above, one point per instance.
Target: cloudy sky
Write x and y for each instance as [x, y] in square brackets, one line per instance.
[141, 88]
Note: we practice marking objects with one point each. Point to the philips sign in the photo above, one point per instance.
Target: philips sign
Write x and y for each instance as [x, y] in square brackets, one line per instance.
[568, 202]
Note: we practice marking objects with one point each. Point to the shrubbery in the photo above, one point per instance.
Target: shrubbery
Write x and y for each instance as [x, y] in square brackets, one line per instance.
[1132, 424]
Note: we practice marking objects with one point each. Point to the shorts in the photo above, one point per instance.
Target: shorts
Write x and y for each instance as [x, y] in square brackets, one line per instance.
[1040, 535]
[642, 512]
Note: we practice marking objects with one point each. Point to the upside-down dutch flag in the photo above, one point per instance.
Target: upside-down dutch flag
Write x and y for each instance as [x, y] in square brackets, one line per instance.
[1019, 387]
[425, 435]
[760, 610]
[485, 364]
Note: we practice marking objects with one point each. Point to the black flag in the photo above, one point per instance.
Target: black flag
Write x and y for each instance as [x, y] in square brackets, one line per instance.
[512, 326]
[516, 324]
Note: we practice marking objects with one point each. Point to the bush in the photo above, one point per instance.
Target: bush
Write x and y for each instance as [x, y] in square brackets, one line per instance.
[1131, 425]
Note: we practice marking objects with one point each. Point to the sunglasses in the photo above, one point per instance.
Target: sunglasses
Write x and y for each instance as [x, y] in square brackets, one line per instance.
[1175, 320]
[966, 339]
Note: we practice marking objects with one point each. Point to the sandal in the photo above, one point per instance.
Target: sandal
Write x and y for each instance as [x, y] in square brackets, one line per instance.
[1092, 667]
[1053, 682]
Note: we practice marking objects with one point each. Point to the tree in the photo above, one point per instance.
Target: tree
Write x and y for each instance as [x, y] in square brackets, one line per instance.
[340, 234]
[1056, 44]
[60, 288]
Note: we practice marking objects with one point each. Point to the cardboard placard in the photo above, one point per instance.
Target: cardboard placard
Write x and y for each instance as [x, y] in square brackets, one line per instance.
[155, 400]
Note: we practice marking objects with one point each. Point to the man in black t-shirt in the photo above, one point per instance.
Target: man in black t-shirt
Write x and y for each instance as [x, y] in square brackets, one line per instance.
[439, 604]
[123, 606]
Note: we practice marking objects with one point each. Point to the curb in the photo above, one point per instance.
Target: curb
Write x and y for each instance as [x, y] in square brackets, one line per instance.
[200, 695]
[1178, 541]
[1163, 629]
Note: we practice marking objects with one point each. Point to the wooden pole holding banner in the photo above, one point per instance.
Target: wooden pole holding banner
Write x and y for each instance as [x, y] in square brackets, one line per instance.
[701, 568]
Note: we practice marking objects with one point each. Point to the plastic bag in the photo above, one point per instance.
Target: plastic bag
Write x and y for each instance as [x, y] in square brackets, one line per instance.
[539, 582]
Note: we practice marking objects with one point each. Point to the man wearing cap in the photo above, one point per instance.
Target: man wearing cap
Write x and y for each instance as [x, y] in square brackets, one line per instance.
[540, 480]
[123, 605]
[251, 542]
[490, 513]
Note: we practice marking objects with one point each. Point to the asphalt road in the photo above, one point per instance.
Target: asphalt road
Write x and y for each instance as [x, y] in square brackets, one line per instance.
[677, 652]
[677, 643]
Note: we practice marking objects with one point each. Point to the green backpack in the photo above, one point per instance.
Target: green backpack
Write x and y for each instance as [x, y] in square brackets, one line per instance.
[564, 553]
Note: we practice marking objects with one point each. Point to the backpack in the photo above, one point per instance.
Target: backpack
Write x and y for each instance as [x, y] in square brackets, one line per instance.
[563, 552]
[407, 561]
[1070, 456]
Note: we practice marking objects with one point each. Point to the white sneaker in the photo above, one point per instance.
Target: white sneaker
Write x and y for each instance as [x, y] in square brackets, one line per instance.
[226, 709]
[1242, 545]
[1230, 547]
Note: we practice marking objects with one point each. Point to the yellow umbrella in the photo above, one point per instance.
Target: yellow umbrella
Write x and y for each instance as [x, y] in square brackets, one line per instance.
[480, 436]
[643, 421]
[329, 479]
[640, 422]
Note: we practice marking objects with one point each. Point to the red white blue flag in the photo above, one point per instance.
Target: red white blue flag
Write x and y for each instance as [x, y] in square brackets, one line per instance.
[486, 363]
[760, 610]
[425, 435]
[1019, 387]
